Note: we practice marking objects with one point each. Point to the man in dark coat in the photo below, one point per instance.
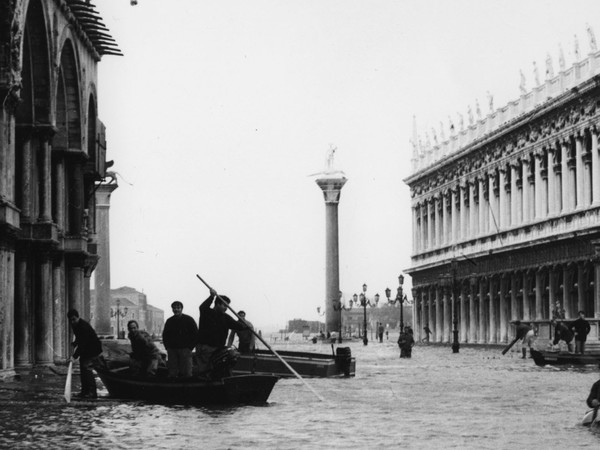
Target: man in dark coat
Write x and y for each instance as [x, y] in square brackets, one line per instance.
[214, 325]
[526, 333]
[145, 355]
[562, 333]
[88, 349]
[179, 338]
[593, 399]
[580, 329]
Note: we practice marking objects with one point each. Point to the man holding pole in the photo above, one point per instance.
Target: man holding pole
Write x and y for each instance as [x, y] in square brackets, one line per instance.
[214, 325]
[88, 349]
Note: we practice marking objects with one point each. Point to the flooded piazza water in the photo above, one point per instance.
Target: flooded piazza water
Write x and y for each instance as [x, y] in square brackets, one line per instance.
[436, 400]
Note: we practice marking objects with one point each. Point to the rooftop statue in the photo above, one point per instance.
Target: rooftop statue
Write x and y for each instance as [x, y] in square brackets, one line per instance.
[522, 85]
[561, 58]
[549, 68]
[490, 101]
[536, 74]
[329, 163]
[593, 46]
[576, 49]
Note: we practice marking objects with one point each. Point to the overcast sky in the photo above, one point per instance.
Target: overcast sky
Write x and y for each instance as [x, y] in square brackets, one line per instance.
[220, 110]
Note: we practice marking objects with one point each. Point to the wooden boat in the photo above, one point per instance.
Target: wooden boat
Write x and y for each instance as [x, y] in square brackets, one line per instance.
[307, 364]
[243, 389]
[588, 418]
[541, 358]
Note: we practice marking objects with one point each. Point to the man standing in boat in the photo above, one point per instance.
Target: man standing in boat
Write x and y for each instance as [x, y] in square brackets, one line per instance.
[526, 333]
[214, 324]
[562, 333]
[246, 338]
[88, 349]
[179, 338]
[580, 329]
[144, 354]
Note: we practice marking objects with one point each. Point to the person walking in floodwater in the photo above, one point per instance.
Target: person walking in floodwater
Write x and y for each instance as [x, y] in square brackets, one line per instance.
[580, 329]
[427, 333]
[526, 333]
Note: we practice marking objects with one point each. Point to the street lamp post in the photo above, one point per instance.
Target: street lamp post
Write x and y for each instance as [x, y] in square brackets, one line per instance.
[400, 298]
[118, 313]
[364, 302]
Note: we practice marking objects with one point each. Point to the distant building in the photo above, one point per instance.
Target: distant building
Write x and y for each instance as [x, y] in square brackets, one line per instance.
[129, 304]
[506, 213]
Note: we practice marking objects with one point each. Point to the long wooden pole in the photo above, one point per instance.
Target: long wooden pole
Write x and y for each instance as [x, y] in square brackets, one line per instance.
[265, 343]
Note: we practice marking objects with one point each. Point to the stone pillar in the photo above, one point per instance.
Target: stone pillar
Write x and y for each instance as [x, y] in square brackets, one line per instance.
[455, 233]
[438, 221]
[43, 313]
[492, 311]
[552, 298]
[482, 335]
[75, 289]
[26, 182]
[438, 315]
[472, 209]
[552, 183]
[526, 294]
[581, 291]
[579, 170]
[430, 230]
[526, 188]
[595, 168]
[503, 210]
[596, 288]
[539, 293]
[45, 194]
[7, 309]
[514, 297]
[23, 311]
[493, 203]
[463, 314]
[482, 208]
[446, 220]
[464, 221]
[331, 183]
[447, 319]
[514, 194]
[101, 316]
[587, 173]
[473, 319]
[538, 188]
[430, 305]
[503, 309]
[422, 214]
[415, 229]
[567, 284]
[59, 313]
[565, 177]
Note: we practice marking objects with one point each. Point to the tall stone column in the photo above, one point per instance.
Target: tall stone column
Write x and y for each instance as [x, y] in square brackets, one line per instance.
[430, 224]
[430, 318]
[567, 285]
[43, 312]
[503, 210]
[59, 312]
[514, 194]
[464, 222]
[493, 310]
[552, 280]
[579, 170]
[493, 203]
[482, 208]
[595, 168]
[423, 236]
[439, 328]
[438, 221]
[596, 288]
[463, 314]
[447, 315]
[23, 311]
[539, 293]
[472, 209]
[503, 309]
[101, 309]
[331, 183]
[526, 195]
[445, 221]
[587, 174]
[415, 229]
[566, 195]
[538, 189]
[455, 219]
[581, 291]
[526, 294]
[482, 335]
[552, 182]
[473, 319]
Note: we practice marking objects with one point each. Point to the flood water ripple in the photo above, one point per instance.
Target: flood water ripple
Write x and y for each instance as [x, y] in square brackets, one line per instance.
[436, 400]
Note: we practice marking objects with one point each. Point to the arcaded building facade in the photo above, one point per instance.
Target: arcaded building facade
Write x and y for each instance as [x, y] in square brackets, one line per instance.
[52, 158]
[506, 212]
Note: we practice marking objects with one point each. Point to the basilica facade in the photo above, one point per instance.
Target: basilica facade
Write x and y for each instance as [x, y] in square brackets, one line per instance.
[52, 160]
[506, 212]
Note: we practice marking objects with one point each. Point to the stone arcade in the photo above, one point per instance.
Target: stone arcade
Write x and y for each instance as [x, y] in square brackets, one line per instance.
[506, 213]
[52, 159]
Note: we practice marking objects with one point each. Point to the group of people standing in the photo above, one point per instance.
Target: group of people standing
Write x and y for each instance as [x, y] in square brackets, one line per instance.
[181, 336]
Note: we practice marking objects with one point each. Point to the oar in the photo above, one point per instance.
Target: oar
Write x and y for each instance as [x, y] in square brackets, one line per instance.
[509, 346]
[265, 343]
[68, 382]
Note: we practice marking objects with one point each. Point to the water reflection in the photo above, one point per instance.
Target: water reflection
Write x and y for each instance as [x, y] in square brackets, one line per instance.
[476, 399]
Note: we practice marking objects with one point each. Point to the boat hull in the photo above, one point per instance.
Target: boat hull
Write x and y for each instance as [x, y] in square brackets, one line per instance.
[244, 389]
[306, 364]
[588, 418]
[563, 358]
